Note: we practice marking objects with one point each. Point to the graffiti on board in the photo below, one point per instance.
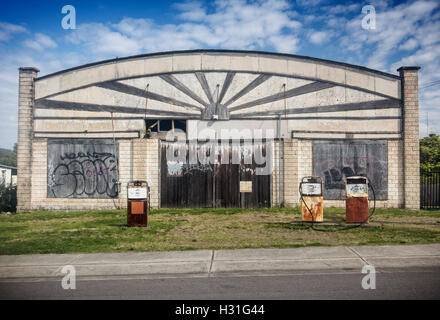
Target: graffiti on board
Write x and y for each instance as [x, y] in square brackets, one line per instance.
[335, 161]
[82, 169]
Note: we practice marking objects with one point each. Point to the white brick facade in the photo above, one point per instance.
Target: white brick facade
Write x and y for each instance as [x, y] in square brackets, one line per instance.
[327, 100]
[135, 163]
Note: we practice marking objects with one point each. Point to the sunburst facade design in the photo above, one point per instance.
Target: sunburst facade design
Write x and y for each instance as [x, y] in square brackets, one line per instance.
[85, 132]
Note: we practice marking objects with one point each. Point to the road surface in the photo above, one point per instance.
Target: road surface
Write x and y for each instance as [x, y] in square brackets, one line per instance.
[392, 283]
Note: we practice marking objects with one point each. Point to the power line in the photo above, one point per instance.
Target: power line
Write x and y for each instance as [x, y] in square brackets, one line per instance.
[428, 83]
[432, 84]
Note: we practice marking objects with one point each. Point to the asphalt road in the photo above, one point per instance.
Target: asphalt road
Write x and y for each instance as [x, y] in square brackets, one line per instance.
[405, 283]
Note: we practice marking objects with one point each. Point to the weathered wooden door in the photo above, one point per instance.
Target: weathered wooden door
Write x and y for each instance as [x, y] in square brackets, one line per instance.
[209, 175]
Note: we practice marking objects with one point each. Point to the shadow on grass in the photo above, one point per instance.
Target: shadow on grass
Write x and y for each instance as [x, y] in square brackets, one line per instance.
[286, 225]
[120, 225]
[221, 211]
[437, 223]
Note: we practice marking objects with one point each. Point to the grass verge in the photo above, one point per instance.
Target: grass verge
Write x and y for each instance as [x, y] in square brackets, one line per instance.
[189, 229]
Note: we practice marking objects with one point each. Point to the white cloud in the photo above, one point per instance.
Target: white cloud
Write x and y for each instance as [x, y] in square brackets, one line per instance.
[40, 42]
[340, 9]
[7, 30]
[409, 45]
[395, 27]
[10, 61]
[410, 31]
[231, 25]
[284, 43]
[309, 3]
[101, 39]
[319, 37]
[191, 11]
[429, 95]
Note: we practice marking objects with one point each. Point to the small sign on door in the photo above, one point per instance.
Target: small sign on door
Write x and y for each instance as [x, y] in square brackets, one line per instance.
[245, 186]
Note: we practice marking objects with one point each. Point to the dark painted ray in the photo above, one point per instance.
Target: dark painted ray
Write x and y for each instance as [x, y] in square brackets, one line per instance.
[127, 89]
[64, 105]
[368, 105]
[286, 76]
[172, 80]
[255, 83]
[308, 88]
[226, 84]
[86, 118]
[205, 86]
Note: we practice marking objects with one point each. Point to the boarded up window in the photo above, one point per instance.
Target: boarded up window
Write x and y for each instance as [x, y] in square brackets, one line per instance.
[215, 174]
[336, 160]
[82, 168]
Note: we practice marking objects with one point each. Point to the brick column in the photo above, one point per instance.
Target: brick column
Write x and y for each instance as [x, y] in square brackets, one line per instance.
[291, 172]
[26, 99]
[153, 171]
[411, 157]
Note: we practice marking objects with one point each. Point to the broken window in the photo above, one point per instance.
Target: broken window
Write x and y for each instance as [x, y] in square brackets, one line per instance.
[163, 125]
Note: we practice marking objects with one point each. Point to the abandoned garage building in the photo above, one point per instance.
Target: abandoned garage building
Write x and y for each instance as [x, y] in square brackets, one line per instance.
[215, 128]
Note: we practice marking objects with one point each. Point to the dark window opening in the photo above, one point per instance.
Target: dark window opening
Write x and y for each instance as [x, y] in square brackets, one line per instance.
[164, 125]
[152, 125]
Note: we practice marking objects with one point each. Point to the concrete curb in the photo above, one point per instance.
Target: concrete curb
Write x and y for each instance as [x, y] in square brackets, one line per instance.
[207, 263]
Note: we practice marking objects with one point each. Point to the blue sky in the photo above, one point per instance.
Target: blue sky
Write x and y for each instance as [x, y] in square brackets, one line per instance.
[407, 33]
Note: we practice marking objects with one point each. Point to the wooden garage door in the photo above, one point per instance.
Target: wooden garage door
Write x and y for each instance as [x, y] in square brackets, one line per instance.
[195, 182]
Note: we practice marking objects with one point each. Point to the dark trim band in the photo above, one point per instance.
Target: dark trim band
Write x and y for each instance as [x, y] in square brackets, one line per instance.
[54, 104]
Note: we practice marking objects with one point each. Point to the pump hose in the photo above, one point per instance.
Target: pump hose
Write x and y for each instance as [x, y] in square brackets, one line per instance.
[312, 225]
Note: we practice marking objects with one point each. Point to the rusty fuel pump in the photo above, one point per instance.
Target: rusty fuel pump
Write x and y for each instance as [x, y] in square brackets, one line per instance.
[356, 203]
[310, 190]
[137, 203]
[357, 210]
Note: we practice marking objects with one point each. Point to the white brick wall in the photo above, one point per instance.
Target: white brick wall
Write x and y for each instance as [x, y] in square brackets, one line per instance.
[275, 179]
[291, 195]
[139, 160]
[25, 128]
[134, 164]
[153, 171]
[410, 152]
[395, 174]
[298, 164]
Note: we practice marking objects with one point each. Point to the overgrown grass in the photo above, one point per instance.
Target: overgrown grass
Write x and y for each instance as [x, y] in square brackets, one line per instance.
[188, 229]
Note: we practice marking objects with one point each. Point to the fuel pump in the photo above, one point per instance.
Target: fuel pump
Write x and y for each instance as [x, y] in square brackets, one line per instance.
[357, 211]
[356, 203]
[137, 203]
[310, 190]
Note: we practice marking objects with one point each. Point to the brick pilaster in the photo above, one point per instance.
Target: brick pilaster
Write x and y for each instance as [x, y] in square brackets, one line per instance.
[26, 99]
[153, 171]
[291, 172]
[411, 157]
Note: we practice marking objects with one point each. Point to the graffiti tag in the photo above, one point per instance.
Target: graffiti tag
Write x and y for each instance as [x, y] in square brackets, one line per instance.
[84, 174]
[336, 170]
